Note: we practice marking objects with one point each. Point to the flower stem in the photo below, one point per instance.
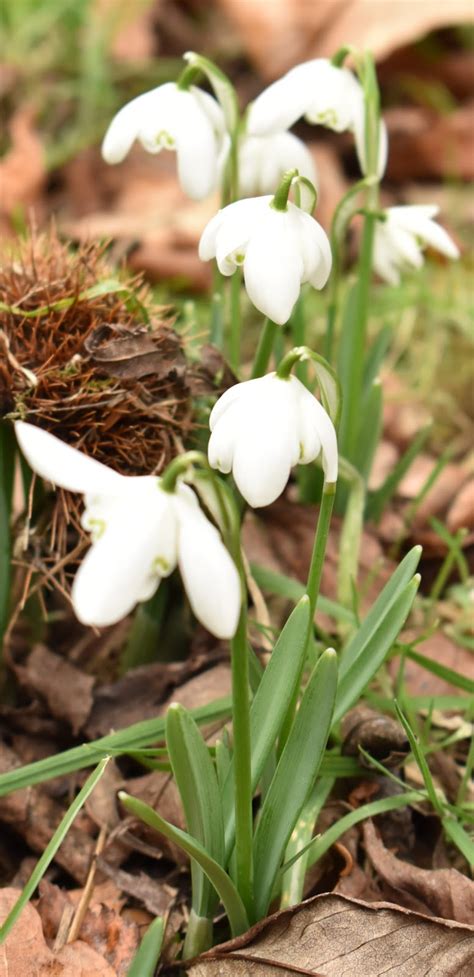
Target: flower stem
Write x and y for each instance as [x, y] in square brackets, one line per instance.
[264, 349]
[357, 340]
[319, 546]
[235, 321]
[298, 333]
[198, 935]
[242, 763]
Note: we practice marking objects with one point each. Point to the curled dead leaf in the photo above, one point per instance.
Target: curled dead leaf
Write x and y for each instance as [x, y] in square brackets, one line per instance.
[121, 351]
[333, 935]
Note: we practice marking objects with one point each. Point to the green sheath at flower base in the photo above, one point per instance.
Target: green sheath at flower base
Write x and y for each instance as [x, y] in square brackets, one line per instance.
[328, 382]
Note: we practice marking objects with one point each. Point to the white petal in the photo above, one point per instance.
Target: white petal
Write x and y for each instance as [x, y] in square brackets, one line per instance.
[63, 465]
[264, 160]
[197, 148]
[228, 397]
[125, 127]
[314, 247]
[283, 102]
[207, 244]
[267, 444]
[240, 222]
[273, 267]
[384, 258]
[220, 449]
[313, 416]
[405, 246]
[127, 563]
[336, 98]
[209, 574]
[418, 220]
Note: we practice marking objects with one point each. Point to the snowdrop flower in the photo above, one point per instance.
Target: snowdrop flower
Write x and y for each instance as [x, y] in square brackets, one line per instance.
[325, 95]
[189, 121]
[402, 236]
[139, 532]
[278, 249]
[263, 161]
[262, 428]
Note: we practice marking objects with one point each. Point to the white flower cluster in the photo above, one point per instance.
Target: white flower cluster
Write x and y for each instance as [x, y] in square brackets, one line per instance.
[141, 529]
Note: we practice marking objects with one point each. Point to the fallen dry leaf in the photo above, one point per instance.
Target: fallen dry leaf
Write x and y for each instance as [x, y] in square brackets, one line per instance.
[157, 897]
[461, 511]
[22, 169]
[439, 648]
[438, 892]
[133, 353]
[381, 736]
[335, 936]
[66, 689]
[425, 144]
[278, 35]
[26, 954]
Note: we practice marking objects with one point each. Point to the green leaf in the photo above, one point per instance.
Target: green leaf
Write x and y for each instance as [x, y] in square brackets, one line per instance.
[134, 737]
[294, 777]
[52, 847]
[370, 435]
[460, 838]
[283, 586]
[321, 844]
[420, 760]
[390, 593]
[148, 953]
[223, 885]
[373, 653]
[197, 784]
[271, 702]
[448, 674]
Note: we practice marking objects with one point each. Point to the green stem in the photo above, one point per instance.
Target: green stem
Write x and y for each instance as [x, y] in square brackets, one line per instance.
[242, 764]
[358, 336]
[320, 541]
[264, 349]
[198, 935]
[235, 321]
[298, 332]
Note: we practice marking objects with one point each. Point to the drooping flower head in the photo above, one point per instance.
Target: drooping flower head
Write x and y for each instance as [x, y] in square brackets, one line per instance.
[402, 236]
[279, 247]
[189, 121]
[324, 94]
[139, 534]
[262, 428]
[264, 160]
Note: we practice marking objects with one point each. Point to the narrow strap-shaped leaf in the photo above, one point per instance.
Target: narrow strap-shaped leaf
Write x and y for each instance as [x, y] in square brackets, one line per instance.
[420, 759]
[294, 777]
[223, 885]
[142, 734]
[197, 784]
[460, 838]
[271, 702]
[382, 606]
[148, 953]
[320, 845]
[52, 847]
[374, 651]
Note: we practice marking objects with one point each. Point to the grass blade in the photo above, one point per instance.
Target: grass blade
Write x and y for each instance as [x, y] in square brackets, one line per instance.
[374, 652]
[442, 671]
[380, 498]
[51, 849]
[223, 885]
[390, 594]
[294, 777]
[460, 838]
[143, 734]
[148, 953]
[420, 760]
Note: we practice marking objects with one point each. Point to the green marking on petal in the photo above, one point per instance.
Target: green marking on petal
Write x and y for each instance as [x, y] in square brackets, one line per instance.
[164, 139]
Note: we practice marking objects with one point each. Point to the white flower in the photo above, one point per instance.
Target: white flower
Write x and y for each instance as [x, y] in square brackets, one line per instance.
[190, 122]
[402, 236]
[263, 160]
[325, 95]
[279, 251]
[262, 428]
[139, 534]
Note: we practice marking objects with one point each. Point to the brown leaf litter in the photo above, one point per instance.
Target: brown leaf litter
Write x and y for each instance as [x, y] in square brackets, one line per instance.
[332, 935]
